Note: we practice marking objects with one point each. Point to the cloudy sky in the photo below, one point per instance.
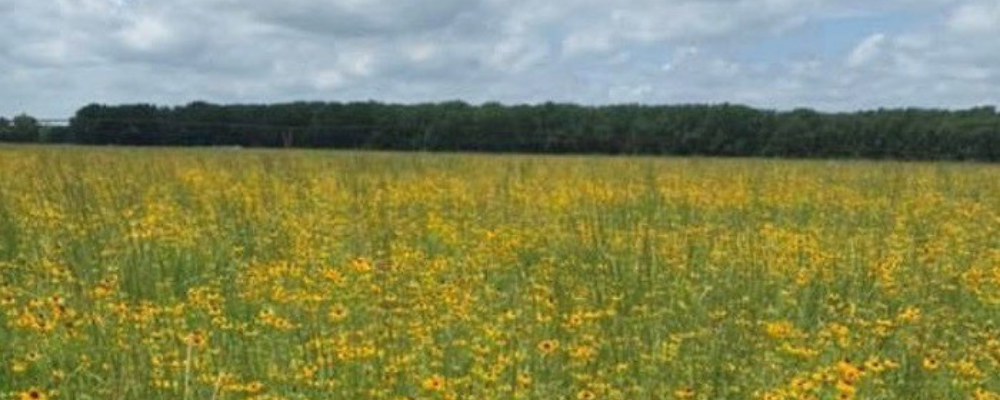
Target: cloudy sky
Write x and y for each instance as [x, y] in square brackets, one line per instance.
[57, 55]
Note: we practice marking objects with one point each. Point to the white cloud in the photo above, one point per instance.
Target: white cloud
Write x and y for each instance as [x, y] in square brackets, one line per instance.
[329, 80]
[61, 54]
[978, 17]
[423, 51]
[147, 33]
[516, 54]
[584, 42]
[866, 51]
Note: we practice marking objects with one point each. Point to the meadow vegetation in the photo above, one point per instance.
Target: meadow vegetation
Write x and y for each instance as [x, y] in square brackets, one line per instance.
[210, 275]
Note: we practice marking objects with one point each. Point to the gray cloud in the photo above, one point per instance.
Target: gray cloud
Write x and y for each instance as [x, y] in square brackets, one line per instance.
[58, 55]
[361, 18]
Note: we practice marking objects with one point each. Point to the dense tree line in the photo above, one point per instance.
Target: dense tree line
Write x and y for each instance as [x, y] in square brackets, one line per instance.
[22, 128]
[27, 129]
[725, 130]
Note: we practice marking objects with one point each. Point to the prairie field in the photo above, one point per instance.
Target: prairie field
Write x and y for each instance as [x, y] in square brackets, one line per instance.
[222, 274]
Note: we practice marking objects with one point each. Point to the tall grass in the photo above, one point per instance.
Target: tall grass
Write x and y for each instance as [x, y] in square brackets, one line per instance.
[198, 274]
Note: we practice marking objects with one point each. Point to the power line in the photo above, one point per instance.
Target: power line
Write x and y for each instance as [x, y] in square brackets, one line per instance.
[223, 124]
[53, 121]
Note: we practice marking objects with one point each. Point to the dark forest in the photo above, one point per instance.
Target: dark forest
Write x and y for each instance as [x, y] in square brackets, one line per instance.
[708, 130]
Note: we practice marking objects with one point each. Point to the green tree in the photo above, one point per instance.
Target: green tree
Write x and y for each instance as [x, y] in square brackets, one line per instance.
[22, 129]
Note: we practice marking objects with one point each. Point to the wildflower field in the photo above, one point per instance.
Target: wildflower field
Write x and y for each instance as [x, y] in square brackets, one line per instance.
[215, 274]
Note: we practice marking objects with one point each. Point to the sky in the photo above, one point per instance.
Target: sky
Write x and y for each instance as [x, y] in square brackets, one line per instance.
[832, 55]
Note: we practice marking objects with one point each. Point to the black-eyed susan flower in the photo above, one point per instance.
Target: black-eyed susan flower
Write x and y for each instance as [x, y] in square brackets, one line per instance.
[32, 394]
[582, 352]
[548, 346]
[585, 395]
[848, 372]
[523, 379]
[685, 392]
[337, 313]
[196, 339]
[574, 321]
[930, 363]
[845, 390]
[254, 387]
[875, 365]
[779, 329]
[434, 383]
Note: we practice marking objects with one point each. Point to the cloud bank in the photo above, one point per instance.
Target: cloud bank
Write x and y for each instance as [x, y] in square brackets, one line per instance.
[58, 55]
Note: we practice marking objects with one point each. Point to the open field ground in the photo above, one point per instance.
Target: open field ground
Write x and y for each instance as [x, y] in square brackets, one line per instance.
[213, 274]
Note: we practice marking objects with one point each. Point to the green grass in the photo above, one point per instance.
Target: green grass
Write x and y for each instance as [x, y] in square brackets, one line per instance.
[209, 274]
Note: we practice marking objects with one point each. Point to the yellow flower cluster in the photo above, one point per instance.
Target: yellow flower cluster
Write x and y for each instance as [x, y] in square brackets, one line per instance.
[194, 274]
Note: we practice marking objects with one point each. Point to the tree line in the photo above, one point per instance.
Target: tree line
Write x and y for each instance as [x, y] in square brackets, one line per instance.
[22, 128]
[712, 130]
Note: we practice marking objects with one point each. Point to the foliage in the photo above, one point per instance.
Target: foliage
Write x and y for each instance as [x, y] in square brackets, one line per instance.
[197, 274]
[720, 130]
[23, 128]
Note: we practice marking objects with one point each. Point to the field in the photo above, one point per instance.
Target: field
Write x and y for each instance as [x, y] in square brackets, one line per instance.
[223, 274]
